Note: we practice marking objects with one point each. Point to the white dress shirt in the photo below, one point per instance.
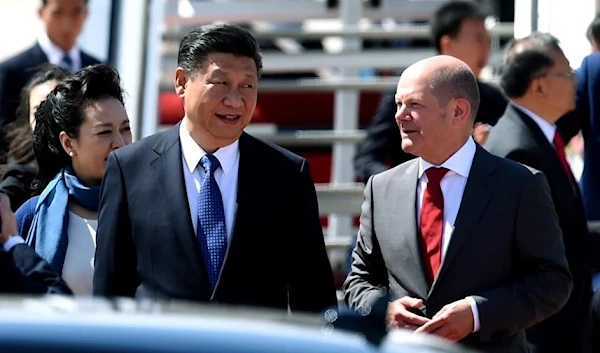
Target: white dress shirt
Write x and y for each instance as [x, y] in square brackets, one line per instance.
[453, 187]
[548, 129]
[226, 176]
[78, 268]
[55, 54]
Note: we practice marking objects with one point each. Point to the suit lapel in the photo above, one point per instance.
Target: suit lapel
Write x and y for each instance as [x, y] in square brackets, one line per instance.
[404, 224]
[477, 194]
[167, 168]
[39, 54]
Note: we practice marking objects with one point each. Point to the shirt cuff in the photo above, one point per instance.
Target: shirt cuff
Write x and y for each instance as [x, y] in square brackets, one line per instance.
[476, 325]
[12, 241]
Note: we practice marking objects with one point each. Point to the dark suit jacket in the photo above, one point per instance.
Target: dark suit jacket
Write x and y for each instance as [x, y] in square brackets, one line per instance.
[17, 182]
[586, 118]
[518, 137]
[382, 149]
[506, 250]
[23, 271]
[147, 247]
[16, 71]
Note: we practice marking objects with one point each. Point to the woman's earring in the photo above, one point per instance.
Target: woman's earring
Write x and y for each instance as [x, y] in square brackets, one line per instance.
[71, 154]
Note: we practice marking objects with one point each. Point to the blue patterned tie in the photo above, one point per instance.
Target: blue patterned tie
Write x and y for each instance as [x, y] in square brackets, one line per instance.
[211, 232]
[67, 62]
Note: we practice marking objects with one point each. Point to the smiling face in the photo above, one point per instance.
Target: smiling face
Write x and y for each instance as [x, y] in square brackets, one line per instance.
[104, 129]
[219, 99]
[434, 123]
[422, 121]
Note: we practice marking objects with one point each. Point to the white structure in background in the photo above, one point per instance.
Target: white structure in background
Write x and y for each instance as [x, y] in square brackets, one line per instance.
[566, 20]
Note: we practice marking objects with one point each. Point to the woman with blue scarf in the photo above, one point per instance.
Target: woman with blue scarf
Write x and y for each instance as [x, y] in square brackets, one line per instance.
[81, 121]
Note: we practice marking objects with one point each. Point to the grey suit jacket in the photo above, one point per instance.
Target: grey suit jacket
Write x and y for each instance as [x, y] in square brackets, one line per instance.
[506, 250]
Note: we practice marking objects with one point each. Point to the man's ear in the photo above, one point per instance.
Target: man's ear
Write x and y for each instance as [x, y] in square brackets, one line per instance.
[538, 86]
[445, 44]
[181, 80]
[461, 111]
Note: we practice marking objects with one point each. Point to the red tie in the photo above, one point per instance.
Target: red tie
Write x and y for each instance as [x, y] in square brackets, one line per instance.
[560, 151]
[432, 222]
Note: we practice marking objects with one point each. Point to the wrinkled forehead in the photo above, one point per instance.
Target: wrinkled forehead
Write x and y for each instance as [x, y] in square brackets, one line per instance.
[412, 86]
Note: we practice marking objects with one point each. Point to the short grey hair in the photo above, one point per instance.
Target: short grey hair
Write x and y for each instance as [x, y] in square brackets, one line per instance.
[449, 83]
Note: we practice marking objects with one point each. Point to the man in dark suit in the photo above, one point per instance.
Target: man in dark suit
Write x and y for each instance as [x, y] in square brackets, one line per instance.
[457, 29]
[22, 271]
[541, 86]
[206, 212]
[63, 21]
[467, 244]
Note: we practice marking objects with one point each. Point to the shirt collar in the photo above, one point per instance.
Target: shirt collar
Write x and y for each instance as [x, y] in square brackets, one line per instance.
[192, 152]
[56, 54]
[548, 129]
[459, 163]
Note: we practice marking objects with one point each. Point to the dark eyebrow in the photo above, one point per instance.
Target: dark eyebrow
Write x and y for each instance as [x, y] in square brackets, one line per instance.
[226, 72]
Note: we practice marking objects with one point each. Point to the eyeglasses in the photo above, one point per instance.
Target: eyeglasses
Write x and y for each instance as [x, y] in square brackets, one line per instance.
[569, 75]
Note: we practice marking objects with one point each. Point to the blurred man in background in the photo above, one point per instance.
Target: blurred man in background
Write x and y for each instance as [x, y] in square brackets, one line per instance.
[457, 29]
[62, 21]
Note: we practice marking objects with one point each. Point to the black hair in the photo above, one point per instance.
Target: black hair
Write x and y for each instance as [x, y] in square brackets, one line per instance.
[64, 110]
[18, 133]
[593, 30]
[448, 19]
[526, 59]
[449, 83]
[202, 41]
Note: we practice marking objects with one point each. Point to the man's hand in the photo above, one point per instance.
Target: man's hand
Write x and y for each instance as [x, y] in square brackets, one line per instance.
[453, 322]
[400, 317]
[481, 132]
[9, 222]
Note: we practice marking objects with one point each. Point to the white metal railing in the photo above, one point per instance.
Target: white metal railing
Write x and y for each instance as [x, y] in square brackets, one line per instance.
[502, 30]
[202, 12]
[314, 137]
[341, 199]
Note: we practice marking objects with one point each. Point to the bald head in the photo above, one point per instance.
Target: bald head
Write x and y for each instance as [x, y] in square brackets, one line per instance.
[448, 78]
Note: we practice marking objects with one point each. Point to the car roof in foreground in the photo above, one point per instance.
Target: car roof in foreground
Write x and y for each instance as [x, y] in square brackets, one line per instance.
[60, 324]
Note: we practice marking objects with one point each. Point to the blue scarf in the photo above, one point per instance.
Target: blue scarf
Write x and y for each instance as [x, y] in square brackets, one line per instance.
[48, 231]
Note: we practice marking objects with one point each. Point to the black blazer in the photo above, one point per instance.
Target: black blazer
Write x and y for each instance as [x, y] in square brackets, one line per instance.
[382, 149]
[147, 247]
[16, 182]
[16, 71]
[518, 137]
[23, 271]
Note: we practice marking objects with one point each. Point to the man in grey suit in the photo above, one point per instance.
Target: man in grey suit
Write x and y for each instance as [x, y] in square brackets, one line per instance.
[467, 244]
